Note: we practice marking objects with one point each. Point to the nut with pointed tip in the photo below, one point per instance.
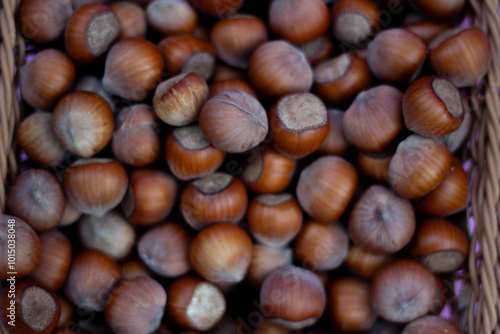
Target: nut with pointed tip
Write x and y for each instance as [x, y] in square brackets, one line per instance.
[136, 139]
[298, 124]
[168, 259]
[150, 196]
[266, 259]
[354, 21]
[236, 37]
[54, 263]
[111, 234]
[133, 68]
[396, 56]
[274, 219]
[178, 100]
[189, 155]
[293, 297]
[374, 119]
[473, 46]
[326, 186]
[233, 122]
[221, 253]
[28, 247]
[381, 221]
[403, 291]
[37, 197]
[83, 123]
[339, 80]
[37, 308]
[418, 165]
[269, 172]
[188, 54]
[277, 68]
[350, 305]
[136, 306]
[90, 32]
[46, 78]
[321, 247]
[440, 245]
[194, 304]
[90, 279]
[298, 21]
[95, 186]
[218, 197]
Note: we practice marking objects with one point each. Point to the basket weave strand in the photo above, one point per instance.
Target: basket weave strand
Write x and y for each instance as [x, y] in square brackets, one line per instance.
[11, 57]
[482, 312]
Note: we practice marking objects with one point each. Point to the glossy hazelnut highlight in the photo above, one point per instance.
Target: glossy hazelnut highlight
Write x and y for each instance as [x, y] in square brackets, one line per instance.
[233, 122]
[440, 245]
[221, 253]
[150, 196]
[293, 297]
[298, 124]
[236, 37]
[418, 165]
[277, 68]
[37, 308]
[396, 55]
[90, 279]
[402, 291]
[194, 304]
[169, 259]
[325, 187]
[37, 197]
[90, 32]
[136, 139]
[95, 186]
[171, 17]
[374, 119]
[381, 221]
[110, 234]
[28, 247]
[83, 123]
[55, 260]
[189, 155]
[321, 247]
[269, 172]
[339, 80]
[474, 48]
[178, 100]
[274, 219]
[46, 78]
[298, 21]
[432, 107]
[136, 306]
[218, 197]
[133, 68]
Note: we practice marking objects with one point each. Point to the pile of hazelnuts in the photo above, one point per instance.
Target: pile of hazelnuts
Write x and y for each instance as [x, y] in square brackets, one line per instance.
[229, 167]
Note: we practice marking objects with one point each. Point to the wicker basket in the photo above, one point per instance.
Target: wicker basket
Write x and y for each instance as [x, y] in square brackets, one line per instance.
[477, 305]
